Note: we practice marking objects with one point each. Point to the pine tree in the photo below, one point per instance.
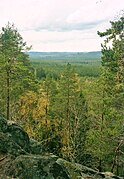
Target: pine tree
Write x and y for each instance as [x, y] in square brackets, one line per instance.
[113, 77]
[15, 69]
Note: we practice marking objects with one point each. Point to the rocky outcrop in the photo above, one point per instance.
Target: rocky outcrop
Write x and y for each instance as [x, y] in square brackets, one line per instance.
[23, 158]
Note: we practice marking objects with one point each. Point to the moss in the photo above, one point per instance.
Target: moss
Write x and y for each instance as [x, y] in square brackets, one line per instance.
[72, 170]
[7, 145]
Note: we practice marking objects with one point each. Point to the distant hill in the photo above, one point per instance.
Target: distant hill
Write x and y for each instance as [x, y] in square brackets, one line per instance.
[65, 55]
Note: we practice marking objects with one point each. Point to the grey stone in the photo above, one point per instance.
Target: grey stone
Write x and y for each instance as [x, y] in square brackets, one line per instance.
[23, 158]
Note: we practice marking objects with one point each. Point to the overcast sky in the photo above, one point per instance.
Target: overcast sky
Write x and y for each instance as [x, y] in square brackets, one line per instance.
[60, 25]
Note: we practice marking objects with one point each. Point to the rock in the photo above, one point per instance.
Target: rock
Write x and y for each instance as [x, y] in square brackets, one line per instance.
[9, 146]
[23, 158]
[50, 167]
[35, 147]
[19, 136]
[32, 166]
[4, 160]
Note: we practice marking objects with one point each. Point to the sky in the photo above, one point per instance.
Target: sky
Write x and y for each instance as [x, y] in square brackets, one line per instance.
[61, 25]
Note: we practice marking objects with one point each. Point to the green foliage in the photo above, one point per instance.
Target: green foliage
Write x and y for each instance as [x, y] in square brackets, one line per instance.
[85, 64]
[57, 115]
[40, 73]
[70, 108]
[15, 70]
[114, 79]
[76, 109]
[105, 102]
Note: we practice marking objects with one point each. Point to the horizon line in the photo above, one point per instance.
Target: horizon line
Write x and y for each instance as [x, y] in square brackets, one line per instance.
[64, 51]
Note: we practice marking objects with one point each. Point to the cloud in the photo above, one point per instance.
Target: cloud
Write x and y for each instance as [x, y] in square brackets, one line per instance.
[64, 26]
[57, 15]
[60, 24]
[63, 41]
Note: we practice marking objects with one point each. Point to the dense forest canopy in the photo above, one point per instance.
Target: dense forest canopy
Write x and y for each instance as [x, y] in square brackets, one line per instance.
[75, 110]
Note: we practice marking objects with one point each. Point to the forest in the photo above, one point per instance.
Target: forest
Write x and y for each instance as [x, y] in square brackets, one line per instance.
[73, 104]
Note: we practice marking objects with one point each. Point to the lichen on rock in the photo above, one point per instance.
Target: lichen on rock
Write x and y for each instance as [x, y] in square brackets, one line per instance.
[23, 158]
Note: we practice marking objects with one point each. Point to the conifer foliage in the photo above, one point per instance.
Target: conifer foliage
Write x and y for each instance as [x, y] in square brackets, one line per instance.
[113, 78]
[78, 118]
[15, 70]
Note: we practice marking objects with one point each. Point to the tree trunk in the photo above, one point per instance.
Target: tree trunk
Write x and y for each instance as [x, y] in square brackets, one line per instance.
[100, 166]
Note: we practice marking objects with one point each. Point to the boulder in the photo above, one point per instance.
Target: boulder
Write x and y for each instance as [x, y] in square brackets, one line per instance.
[35, 147]
[19, 136]
[23, 158]
[9, 146]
